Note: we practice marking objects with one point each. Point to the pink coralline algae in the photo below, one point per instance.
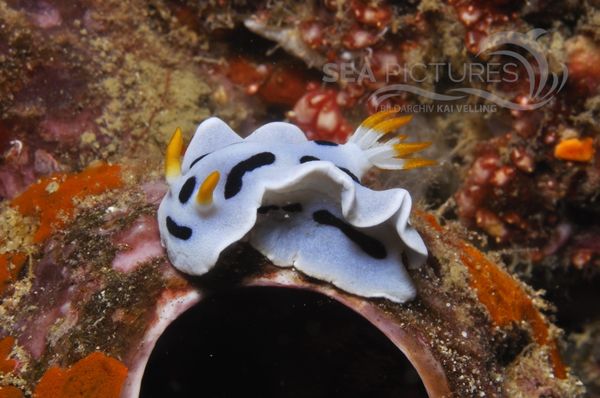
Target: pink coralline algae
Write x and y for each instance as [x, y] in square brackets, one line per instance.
[137, 245]
[45, 15]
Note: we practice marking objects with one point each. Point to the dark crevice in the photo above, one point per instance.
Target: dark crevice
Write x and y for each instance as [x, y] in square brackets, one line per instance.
[273, 342]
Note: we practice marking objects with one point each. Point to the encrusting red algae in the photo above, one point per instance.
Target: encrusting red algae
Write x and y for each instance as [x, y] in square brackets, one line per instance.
[504, 297]
[95, 376]
[53, 199]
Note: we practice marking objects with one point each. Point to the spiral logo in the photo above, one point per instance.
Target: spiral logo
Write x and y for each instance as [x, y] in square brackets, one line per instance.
[543, 84]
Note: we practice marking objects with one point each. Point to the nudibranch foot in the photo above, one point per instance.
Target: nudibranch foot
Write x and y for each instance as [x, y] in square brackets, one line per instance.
[318, 242]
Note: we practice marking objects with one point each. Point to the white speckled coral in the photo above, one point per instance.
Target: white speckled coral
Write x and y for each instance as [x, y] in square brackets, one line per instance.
[298, 202]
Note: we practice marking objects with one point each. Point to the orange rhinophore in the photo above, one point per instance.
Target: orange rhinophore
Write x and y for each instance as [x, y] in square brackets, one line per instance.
[205, 192]
[173, 156]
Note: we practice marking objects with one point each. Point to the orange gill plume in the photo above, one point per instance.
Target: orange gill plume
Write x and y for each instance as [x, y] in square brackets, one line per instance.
[392, 153]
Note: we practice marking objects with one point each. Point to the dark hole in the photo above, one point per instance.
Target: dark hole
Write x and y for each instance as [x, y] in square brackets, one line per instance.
[272, 342]
[510, 345]
[574, 294]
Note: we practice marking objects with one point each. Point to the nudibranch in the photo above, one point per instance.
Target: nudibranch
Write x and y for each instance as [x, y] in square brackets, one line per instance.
[298, 202]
